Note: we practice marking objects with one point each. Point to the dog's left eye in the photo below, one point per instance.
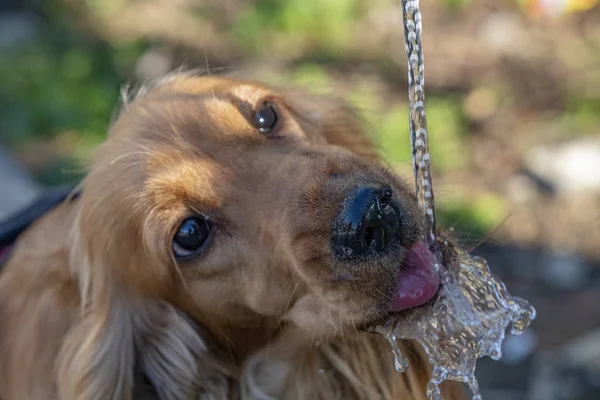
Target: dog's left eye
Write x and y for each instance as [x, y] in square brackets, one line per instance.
[191, 236]
[265, 117]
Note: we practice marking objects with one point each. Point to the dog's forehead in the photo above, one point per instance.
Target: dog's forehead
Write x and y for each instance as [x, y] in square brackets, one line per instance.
[191, 130]
[216, 86]
[192, 111]
[219, 103]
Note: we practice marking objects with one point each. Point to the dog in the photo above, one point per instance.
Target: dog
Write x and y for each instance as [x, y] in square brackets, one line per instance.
[231, 240]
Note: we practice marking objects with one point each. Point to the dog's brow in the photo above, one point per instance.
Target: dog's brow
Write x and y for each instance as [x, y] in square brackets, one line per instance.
[244, 107]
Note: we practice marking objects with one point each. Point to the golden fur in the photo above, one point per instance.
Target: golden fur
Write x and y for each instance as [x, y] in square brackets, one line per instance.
[94, 306]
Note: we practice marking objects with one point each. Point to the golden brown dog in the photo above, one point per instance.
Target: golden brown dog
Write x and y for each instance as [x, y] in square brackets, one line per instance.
[231, 240]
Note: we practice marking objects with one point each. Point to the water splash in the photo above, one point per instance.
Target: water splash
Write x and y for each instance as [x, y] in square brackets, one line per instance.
[469, 316]
[465, 322]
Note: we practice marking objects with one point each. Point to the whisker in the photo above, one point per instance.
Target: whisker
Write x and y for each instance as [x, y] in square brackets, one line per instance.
[287, 307]
[489, 234]
[331, 318]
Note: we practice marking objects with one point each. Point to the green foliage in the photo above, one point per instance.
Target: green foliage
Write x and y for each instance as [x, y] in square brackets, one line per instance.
[447, 128]
[472, 217]
[391, 129]
[312, 76]
[65, 85]
[272, 25]
[456, 5]
[59, 83]
[581, 116]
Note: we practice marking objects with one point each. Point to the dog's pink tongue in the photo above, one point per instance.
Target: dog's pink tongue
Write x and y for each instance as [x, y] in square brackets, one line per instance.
[418, 281]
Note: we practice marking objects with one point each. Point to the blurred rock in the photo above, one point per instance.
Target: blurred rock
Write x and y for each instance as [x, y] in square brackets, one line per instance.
[565, 271]
[503, 395]
[569, 372]
[153, 64]
[501, 31]
[17, 29]
[497, 378]
[481, 103]
[572, 167]
[521, 189]
[16, 187]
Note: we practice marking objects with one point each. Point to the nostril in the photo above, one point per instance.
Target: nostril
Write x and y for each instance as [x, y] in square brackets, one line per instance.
[366, 222]
[370, 235]
[376, 238]
[380, 199]
[385, 196]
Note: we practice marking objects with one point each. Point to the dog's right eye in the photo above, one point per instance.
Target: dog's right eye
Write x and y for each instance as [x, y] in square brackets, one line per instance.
[265, 117]
[191, 236]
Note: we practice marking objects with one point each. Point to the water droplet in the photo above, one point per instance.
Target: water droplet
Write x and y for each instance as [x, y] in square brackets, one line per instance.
[400, 362]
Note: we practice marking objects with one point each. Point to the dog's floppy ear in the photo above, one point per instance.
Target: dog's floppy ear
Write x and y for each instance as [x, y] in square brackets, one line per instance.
[177, 359]
[124, 334]
[96, 360]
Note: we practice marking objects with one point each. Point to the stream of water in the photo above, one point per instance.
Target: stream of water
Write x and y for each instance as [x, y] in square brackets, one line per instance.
[470, 315]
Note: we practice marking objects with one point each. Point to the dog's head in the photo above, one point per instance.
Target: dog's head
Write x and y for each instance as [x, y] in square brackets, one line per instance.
[236, 201]
[245, 205]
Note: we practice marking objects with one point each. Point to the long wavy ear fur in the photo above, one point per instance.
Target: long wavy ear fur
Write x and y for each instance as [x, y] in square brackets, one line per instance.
[97, 359]
[177, 360]
[122, 336]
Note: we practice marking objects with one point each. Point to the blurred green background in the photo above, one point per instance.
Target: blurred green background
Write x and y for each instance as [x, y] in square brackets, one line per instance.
[499, 81]
[512, 96]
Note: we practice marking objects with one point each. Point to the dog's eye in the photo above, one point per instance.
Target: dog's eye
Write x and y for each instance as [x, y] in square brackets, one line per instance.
[191, 236]
[265, 117]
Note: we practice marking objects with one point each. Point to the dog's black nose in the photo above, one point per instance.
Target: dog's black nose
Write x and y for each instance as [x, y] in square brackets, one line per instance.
[369, 220]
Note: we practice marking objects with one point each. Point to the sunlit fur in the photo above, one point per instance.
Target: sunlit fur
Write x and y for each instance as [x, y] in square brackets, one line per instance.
[93, 304]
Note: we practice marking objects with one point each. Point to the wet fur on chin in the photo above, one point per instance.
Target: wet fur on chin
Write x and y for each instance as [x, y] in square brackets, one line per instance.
[89, 317]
